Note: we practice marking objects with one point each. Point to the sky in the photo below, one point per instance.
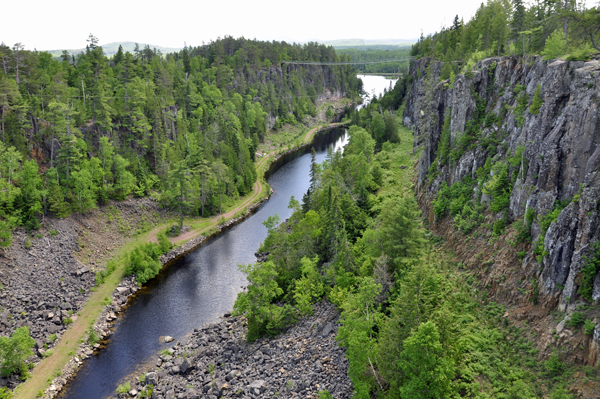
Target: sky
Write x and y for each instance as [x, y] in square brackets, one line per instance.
[66, 24]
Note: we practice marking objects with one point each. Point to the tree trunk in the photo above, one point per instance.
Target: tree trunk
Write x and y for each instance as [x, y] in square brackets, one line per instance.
[83, 90]
[565, 26]
[181, 205]
[202, 194]
[17, 64]
[96, 92]
[52, 148]
[68, 148]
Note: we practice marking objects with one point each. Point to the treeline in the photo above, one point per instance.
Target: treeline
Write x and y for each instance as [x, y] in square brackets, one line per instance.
[554, 28]
[414, 324]
[80, 130]
[376, 54]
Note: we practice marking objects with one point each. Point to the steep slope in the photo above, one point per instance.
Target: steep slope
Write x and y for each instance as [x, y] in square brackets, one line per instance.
[486, 133]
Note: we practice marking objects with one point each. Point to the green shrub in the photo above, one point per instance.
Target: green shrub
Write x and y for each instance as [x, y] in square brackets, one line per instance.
[545, 223]
[521, 106]
[14, 351]
[589, 272]
[325, 394]
[469, 218]
[523, 228]
[535, 291]
[523, 231]
[264, 317]
[144, 260]
[555, 45]
[554, 367]
[124, 388]
[441, 201]
[93, 337]
[173, 231]
[588, 327]
[101, 275]
[581, 52]
[517, 157]
[560, 393]
[147, 391]
[552, 216]
[164, 244]
[499, 188]
[445, 142]
[537, 102]
[457, 205]
[576, 320]
[499, 227]
[309, 287]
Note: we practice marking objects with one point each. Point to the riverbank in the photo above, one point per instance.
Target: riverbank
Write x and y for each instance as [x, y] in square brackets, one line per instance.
[71, 349]
[48, 280]
[218, 362]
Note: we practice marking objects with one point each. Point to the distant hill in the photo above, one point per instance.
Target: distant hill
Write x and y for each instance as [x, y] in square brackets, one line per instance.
[366, 42]
[111, 48]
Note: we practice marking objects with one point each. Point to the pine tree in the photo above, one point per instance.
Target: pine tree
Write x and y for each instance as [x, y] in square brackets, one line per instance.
[402, 236]
[180, 189]
[426, 371]
[31, 194]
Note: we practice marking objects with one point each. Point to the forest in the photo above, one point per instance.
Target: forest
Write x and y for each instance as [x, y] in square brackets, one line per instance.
[184, 127]
[551, 28]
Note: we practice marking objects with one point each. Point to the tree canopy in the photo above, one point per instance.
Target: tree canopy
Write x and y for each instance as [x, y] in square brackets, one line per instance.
[78, 130]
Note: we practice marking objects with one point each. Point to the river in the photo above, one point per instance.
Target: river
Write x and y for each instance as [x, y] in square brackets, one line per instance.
[374, 85]
[199, 287]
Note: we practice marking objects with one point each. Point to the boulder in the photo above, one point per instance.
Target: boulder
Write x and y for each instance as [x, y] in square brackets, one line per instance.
[259, 385]
[151, 378]
[166, 339]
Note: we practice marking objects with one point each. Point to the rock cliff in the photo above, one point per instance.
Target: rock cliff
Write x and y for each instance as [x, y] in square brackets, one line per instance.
[560, 162]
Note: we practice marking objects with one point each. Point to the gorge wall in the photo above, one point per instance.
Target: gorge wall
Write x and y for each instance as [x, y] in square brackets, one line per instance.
[560, 162]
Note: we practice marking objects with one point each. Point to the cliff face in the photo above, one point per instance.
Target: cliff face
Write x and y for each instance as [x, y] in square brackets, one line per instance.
[561, 152]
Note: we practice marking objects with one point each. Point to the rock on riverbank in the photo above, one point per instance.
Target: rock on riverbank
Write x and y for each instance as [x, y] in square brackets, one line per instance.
[217, 362]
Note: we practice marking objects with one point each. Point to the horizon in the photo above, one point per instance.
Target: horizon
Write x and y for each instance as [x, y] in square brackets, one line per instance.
[370, 42]
[185, 22]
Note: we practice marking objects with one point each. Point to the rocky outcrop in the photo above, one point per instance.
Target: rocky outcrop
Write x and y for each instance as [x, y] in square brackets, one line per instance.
[562, 153]
[218, 362]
